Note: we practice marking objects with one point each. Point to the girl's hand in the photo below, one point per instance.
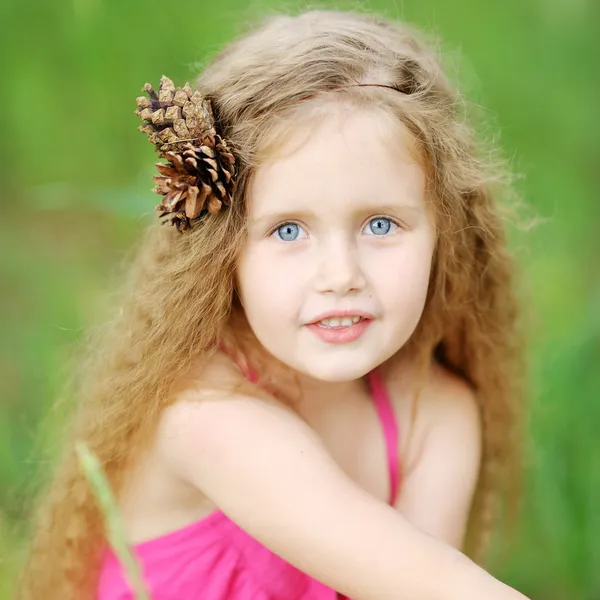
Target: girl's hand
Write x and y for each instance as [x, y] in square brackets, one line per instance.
[270, 473]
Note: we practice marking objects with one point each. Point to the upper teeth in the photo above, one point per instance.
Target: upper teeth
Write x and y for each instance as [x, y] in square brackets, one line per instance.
[345, 322]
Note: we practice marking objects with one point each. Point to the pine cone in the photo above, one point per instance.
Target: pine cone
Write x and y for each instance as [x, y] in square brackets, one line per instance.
[199, 176]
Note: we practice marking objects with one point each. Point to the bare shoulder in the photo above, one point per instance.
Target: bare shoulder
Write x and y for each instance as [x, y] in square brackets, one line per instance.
[215, 411]
[217, 374]
[449, 397]
[445, 400]
[449, 415]
[441, 451]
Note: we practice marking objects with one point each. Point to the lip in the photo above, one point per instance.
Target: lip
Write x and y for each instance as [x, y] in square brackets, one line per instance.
[339, 335]
[339, 314]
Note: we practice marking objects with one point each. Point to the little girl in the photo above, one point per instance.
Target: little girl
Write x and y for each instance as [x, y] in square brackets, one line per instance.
[309, 390]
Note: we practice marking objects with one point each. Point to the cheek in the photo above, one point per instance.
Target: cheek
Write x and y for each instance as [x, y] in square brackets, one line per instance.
[266, 287]
[404, 279]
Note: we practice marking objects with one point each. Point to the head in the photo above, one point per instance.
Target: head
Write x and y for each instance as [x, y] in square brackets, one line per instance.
[338, 227]
[360, 193]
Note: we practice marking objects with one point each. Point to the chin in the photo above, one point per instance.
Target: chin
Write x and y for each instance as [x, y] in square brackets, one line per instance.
[335, 371]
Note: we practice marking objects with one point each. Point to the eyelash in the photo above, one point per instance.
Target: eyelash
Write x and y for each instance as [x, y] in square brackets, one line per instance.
[369, 220]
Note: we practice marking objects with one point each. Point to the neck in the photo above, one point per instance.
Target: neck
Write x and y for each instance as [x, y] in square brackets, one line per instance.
[318, 396]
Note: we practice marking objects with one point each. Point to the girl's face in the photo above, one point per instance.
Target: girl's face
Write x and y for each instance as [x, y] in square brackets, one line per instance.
[334, 272]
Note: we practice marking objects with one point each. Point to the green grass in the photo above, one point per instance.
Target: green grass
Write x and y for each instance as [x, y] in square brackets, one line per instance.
[78, 192]
[91, 468]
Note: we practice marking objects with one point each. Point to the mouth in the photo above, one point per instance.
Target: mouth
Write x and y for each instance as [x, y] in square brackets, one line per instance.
[340, 328]
[341, 318]
[339, 323]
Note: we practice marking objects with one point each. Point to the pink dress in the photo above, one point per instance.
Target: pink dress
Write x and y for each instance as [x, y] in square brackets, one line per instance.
[214, 559]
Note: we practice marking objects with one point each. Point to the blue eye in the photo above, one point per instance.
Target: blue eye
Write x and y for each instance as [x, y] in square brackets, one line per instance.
[288, 232]
[379, 226]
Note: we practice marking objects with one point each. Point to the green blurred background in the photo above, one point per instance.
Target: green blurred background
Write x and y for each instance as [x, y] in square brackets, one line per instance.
[76, 194]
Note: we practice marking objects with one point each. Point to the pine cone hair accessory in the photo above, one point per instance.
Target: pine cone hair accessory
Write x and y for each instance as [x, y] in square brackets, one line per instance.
[199, 176]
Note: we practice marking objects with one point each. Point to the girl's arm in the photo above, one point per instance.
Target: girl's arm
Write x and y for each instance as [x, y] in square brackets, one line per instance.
[270, 473]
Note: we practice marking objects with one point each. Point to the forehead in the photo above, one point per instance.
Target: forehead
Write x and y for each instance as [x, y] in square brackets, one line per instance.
[344, 157]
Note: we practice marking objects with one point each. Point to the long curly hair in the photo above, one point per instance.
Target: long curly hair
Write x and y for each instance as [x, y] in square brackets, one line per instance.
[178, 299]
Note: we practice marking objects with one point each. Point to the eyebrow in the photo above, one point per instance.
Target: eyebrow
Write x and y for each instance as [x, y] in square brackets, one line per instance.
[288, 214]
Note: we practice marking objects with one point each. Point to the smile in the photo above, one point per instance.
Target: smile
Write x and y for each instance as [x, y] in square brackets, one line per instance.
[343, 330]
[344, 322]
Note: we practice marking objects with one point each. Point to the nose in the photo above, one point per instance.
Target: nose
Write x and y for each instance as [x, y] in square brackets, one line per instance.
[339, 268]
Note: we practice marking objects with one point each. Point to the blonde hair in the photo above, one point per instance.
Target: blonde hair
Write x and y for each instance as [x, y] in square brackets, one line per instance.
[179, 299]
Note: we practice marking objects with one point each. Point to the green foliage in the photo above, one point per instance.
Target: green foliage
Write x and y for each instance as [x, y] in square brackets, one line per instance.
[78, 192]
[91, 468]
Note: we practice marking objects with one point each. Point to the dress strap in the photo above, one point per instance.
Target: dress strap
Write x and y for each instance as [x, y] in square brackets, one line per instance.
[246, 369]
[389, 424]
